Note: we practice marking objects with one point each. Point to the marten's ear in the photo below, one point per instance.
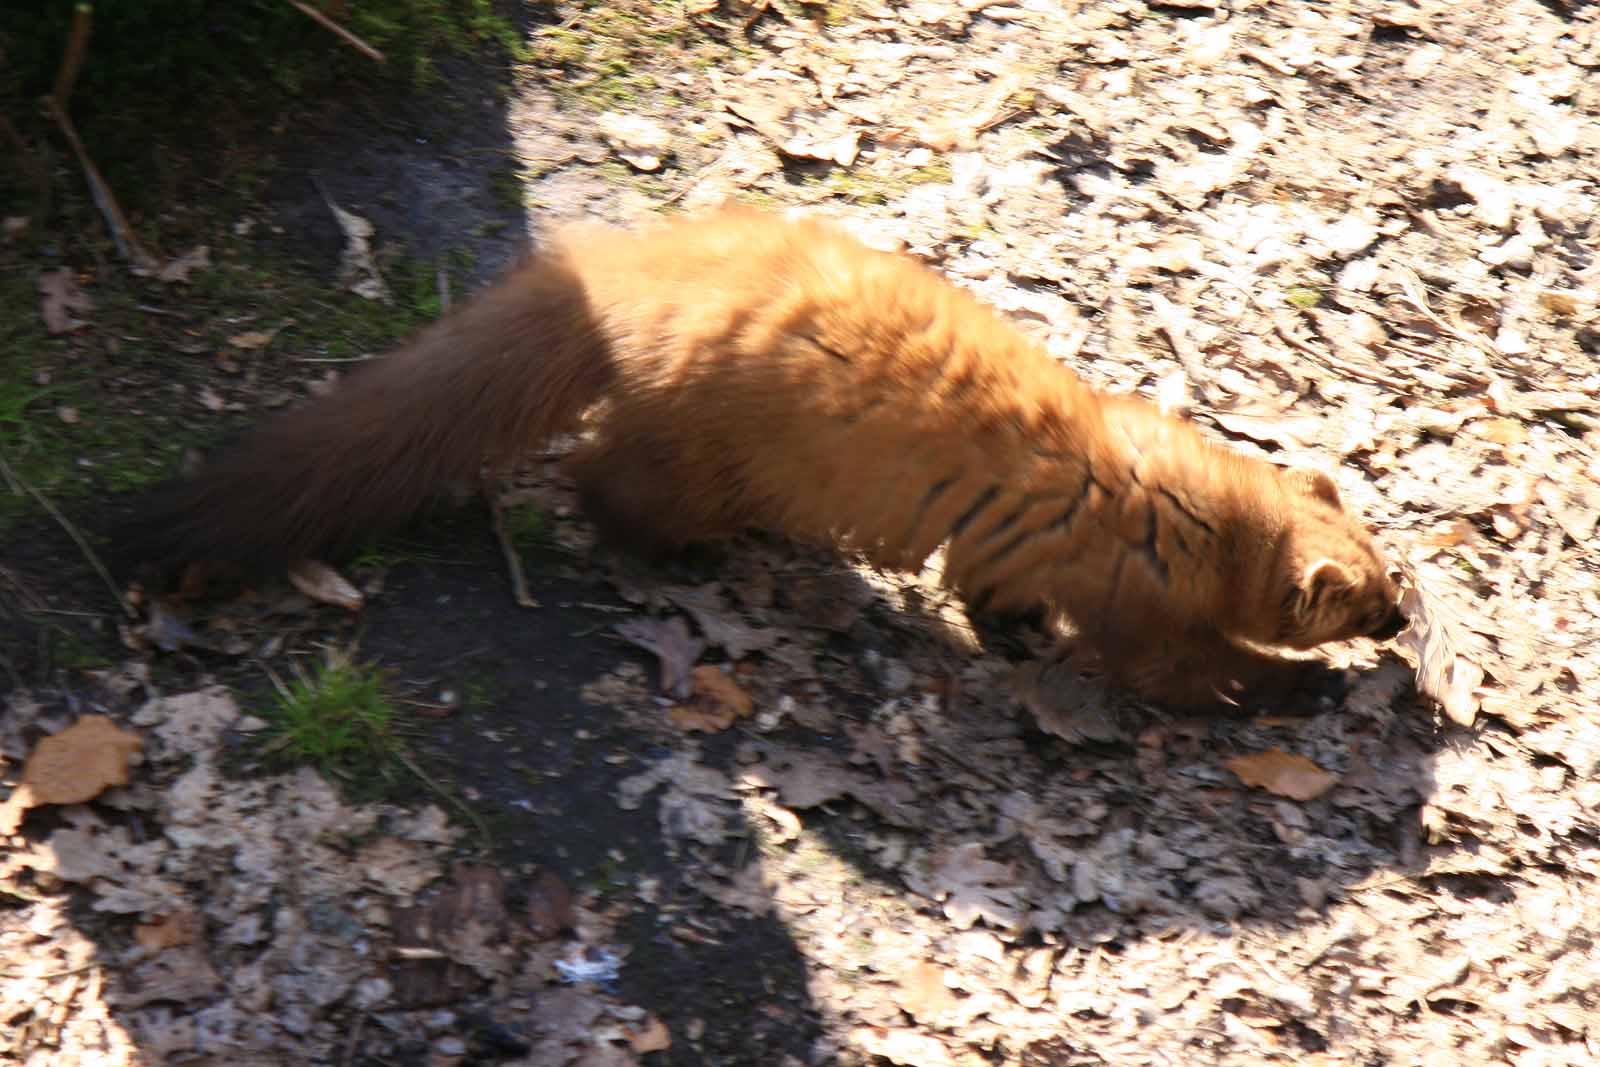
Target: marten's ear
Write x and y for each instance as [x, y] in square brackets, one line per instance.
[1315, 483]
[1320, 583]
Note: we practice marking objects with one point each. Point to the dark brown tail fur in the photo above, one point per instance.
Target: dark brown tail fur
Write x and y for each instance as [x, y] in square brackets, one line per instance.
[511, 368]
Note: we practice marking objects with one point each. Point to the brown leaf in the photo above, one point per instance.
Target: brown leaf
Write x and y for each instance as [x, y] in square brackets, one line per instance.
[549, 906]
[183, 927]
[902, 1045]
[76, 764]
[922, 994]
[653, 1036]
[59, 297]
[322, 583]
[721, 625]
[1065, 702]
[1282, 774]
[179, 269]
[252, 338]
[717, 702]
[71, 767]
[673, 645]
[1443, 673]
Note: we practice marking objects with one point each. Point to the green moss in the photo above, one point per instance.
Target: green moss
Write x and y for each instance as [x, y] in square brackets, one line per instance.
[250, 61]
[604, 51]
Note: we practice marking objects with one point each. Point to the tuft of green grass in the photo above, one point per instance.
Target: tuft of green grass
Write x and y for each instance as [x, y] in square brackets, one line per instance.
[338, 720]
[1303, 296]
[529, 528]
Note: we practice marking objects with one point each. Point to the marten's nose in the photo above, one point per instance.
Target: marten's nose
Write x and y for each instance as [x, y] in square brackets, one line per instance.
[1392, 624]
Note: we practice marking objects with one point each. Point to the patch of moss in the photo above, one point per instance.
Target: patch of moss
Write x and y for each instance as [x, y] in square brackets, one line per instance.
[147, 64]
[110, 406]
[604, 51]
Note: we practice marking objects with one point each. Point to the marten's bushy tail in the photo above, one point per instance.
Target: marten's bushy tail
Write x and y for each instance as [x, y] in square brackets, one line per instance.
[511, 368]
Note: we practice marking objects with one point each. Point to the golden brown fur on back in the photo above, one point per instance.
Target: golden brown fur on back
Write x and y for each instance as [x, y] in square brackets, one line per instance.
[743, 371]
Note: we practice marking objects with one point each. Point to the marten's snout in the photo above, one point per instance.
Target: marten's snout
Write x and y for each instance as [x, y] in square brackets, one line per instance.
[1390, 627]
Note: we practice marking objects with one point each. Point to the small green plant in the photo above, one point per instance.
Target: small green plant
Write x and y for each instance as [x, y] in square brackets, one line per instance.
[529, 528]
[1302, 296]
[337, 719]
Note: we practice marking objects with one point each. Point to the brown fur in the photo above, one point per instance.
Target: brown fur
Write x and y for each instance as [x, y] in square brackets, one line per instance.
[743, 371]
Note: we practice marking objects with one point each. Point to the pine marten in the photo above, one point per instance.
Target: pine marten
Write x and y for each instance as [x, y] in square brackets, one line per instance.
[741, 370]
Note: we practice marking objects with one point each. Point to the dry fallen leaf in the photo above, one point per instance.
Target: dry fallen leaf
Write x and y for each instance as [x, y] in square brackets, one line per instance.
[1282, 774]
[721, 625]
[970, 886]
[716, 702]
[1443, 673]
[637, 141]
[358, 270]
[673, 646]
[186, 926]
[322, 583]
[179, 269]
[921, 993]
[903, 1046]
[252, 338]
[653, 1036]
[1065, 702]
[59, 297]
[549, 907]
[71, 767]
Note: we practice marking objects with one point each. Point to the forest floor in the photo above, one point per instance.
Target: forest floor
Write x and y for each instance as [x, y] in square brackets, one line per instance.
[1357, 234]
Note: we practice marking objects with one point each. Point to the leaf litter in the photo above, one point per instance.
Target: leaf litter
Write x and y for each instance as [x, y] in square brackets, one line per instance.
[1311, 226]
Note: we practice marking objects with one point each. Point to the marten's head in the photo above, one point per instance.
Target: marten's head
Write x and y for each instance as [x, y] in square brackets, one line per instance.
[1330, 581]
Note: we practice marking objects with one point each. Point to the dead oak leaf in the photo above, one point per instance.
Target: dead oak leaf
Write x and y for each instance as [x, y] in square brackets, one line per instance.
[639, 142]
[1065, 702]
[59, 298]
[721, 625]
[325, 585]
[71, 767]
[653, 1036]
[675, 648]
[716, 702]
[1282, 774]
[186, 926]
[903, 1046]
[1434, 636]
[921, 992]
[969, 886]
[179, 268]
[252, 339]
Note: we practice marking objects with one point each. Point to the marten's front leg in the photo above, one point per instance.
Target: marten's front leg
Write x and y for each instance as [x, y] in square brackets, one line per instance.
[1199, 669]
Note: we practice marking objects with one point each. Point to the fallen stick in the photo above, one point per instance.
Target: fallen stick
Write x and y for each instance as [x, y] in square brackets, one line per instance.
[333, 27]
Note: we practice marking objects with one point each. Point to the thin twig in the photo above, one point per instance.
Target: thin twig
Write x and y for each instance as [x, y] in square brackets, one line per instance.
[355, 1036]
[449, 798]
[72, 532]
[71, 63]
[328, 24]
[519, 580]
[121, 233]
[1330, 360]
[72, 58]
